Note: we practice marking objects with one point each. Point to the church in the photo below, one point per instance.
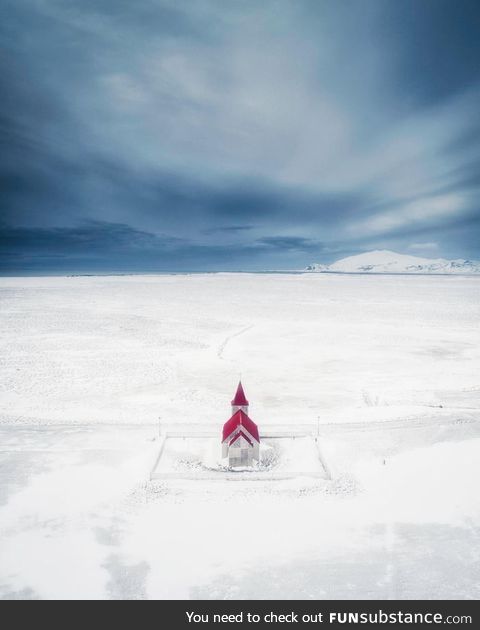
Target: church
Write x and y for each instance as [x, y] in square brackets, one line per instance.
[240, 439]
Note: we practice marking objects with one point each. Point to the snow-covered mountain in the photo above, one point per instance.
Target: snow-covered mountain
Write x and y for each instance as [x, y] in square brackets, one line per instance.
[385, 261]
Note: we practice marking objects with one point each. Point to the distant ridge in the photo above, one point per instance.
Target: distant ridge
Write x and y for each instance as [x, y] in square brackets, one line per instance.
[385, 261]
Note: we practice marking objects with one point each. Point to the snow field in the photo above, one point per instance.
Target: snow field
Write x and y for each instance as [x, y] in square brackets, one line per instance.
[388, 365]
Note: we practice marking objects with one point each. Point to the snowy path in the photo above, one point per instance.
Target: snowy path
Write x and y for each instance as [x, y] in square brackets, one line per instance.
[450, 418]
[223, 345]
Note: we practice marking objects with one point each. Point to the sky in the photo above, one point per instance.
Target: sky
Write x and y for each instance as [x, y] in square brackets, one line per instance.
[202, 135]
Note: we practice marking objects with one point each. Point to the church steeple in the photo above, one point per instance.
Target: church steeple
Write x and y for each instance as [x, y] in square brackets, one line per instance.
[240, 400]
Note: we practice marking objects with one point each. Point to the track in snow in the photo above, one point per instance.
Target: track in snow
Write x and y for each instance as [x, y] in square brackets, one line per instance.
[224, 343]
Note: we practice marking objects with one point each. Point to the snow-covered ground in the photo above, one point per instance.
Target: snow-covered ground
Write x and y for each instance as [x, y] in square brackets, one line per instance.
[389, 366]
[200, 457]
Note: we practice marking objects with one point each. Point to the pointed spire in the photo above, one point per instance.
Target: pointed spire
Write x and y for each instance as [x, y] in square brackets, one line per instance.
[240, 399]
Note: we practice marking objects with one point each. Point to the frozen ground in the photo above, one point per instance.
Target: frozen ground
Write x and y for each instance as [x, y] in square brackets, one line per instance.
[200, 457]
[389, 364]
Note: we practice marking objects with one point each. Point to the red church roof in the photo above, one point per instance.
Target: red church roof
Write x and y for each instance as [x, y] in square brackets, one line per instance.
[240, 418]
[240, 399]
[238, 436]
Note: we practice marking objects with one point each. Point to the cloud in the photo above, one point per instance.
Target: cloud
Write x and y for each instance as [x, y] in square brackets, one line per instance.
[88, 240]
[424, 246]
[285, 243]
[353, 123]
[415, 213]
[230, 228]
[94, 246]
